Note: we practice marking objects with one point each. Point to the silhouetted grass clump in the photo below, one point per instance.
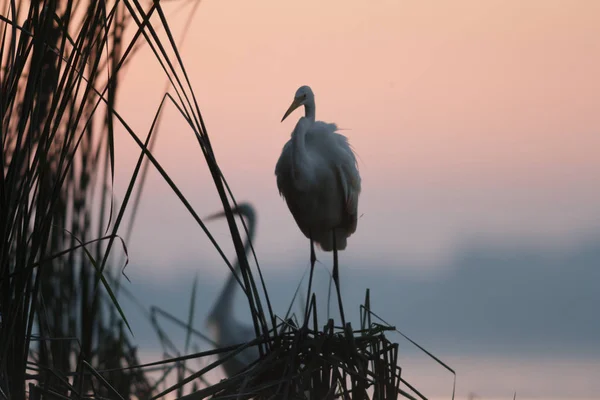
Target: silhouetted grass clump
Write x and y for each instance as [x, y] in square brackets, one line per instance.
[60, 321]
[308, 362]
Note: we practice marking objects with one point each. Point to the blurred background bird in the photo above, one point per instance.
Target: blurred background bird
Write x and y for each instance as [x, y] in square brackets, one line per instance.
[226, 330]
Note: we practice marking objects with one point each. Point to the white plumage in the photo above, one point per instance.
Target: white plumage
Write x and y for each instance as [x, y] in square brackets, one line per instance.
[318, 176]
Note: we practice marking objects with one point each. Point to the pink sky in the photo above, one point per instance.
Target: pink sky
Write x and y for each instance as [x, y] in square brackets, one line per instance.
[469, 117]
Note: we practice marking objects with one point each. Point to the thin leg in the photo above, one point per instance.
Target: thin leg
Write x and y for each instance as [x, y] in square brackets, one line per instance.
[313, 259]
[336, 279]
[329, 297]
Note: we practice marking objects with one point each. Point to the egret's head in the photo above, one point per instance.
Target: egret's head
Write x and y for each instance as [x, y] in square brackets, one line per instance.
[244, 209]
[304, 95]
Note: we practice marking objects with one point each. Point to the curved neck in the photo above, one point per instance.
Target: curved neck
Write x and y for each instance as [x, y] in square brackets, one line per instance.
[300, 159]
[225, 300]
[309, 110]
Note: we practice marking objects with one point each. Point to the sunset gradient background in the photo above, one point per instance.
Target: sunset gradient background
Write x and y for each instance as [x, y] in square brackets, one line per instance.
[477, 125]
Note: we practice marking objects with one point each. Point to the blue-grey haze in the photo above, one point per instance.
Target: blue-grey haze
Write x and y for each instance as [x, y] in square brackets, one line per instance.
[487, 300]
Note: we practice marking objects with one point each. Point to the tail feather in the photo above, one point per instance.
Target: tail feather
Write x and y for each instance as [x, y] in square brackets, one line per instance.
[325, 240]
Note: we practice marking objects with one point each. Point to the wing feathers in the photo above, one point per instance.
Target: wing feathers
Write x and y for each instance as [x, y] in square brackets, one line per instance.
[329, 150]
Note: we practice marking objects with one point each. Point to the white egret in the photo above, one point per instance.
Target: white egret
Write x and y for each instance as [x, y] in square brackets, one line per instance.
[228, 331]
[318, 176]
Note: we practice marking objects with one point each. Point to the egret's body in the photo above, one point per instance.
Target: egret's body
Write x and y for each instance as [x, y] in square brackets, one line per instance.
[321, 184]
[318, 176]
[228, 331]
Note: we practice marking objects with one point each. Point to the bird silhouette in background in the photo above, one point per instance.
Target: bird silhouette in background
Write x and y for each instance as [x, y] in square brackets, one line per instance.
[227, 331]
[318, 176]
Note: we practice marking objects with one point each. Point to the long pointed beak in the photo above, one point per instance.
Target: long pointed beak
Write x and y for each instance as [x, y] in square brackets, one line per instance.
[220, 214]
[214, 216]
[295, 104]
